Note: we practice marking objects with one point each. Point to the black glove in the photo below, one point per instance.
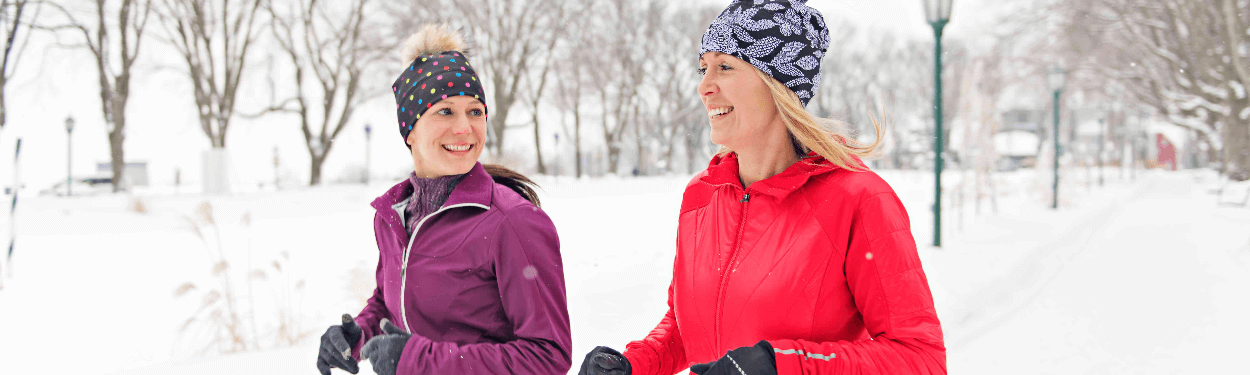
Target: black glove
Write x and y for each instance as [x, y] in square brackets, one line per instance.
[747, 360]
[336, 347]
[605, 361]
[383, 351]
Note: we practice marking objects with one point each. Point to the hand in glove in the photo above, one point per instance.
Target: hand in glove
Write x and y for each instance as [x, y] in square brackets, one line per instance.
[383, 351]
[336, 347]
[605, 361]
[747, 360]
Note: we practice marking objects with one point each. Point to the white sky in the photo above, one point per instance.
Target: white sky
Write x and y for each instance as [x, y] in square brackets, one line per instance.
[54, 82]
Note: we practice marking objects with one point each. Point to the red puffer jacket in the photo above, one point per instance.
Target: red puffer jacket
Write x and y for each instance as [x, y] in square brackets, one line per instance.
[817, 260]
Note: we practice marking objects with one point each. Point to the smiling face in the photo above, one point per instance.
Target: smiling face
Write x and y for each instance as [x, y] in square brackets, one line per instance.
[739, 106]
[448, 138]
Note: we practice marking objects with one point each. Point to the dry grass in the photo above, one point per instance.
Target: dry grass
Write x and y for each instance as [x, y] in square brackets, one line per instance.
[138, 206]
[226, 321]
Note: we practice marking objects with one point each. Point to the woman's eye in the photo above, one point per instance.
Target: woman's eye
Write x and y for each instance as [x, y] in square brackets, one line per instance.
[445, 111]
[475, 112]
[724, 66]
[702, 71]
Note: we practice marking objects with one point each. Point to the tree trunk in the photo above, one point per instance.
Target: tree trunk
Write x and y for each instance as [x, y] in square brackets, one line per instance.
[614, 157]
[118, 155]
[694, 136]
[1237, 144]
[608, 139]
[314, 171]
[670, 150]
[117, 135]
[577, 139]
[538, 145]
[498, 116]
[3, 117]
[640, 152]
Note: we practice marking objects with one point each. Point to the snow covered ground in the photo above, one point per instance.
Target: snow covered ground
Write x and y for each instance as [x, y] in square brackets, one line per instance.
[1144, 275]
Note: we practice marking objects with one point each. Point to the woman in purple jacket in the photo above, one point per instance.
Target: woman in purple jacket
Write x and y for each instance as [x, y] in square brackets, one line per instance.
[469, 278]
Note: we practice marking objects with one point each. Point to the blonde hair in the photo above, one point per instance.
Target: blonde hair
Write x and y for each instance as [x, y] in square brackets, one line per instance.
[829, 138]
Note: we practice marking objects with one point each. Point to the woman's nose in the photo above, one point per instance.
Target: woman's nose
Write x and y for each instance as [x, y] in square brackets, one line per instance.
[461, 126]
[706, 87]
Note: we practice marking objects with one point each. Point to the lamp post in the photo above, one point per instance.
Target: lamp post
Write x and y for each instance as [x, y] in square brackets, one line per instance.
[69, 155]
[1054, 79]
[938, 14]
[368, 137]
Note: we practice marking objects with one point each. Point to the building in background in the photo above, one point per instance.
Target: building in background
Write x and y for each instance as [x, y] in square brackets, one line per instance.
[135, 173]
[1019, 140]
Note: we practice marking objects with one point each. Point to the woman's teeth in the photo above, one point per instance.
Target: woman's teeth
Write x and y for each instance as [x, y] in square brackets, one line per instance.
[718, 112]
[458, 148]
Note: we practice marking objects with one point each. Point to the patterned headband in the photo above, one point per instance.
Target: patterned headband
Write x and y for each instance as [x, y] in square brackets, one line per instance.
[784, 38]
[429, 79]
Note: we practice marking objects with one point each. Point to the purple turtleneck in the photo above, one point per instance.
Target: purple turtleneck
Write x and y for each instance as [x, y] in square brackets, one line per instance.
[428, 195]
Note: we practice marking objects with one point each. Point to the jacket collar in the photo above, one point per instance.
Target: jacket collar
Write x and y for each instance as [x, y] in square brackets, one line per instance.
[723, 170]
[476, 188]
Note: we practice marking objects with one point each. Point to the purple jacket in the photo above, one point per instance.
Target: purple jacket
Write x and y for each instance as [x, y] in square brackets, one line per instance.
[483, 287]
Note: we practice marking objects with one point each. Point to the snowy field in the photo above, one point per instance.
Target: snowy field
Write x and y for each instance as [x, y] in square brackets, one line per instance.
[1144, 276]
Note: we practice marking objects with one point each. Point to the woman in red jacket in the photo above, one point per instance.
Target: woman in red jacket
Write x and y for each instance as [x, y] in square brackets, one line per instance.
[792, 257]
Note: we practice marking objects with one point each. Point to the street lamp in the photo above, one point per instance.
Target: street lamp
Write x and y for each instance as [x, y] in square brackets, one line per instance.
[1054, 80]
[69, 155]
[938, 14]
[368, 137]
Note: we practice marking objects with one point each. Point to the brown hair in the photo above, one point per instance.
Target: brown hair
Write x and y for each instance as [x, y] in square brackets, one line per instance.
[827, 137]
[514, 180]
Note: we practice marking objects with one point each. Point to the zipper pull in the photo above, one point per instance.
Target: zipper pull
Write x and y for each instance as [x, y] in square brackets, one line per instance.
[746, 198]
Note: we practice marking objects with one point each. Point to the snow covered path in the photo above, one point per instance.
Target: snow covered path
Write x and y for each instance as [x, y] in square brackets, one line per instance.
[1148, 284]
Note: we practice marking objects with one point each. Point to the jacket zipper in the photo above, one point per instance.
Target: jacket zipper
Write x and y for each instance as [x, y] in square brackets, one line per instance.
[403, 273]
[733, 258]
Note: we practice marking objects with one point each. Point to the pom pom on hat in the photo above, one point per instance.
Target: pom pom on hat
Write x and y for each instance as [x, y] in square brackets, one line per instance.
[432, 39]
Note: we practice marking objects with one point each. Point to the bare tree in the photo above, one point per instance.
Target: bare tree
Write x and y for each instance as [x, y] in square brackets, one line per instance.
[844, 78]
[678, 111]
[214, 38]
[570, 98]
[621, 61]
[114, 48]
[334, 45]
[889, 75]
[571, 89]
[15, 20]
[555, 30]
[1182, 58]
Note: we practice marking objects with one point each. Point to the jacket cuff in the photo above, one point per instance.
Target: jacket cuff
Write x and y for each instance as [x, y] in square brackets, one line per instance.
[637, 364]
[416, 350]
[366, 332]
[788, 356]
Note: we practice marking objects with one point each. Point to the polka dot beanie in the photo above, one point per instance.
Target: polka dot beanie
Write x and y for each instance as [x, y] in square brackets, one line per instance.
[438, 70]
[785, 39]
